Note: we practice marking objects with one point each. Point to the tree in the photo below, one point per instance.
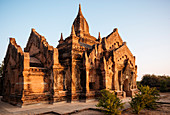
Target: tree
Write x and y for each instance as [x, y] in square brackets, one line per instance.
[163, 86]
[161, 82]
[150, 80]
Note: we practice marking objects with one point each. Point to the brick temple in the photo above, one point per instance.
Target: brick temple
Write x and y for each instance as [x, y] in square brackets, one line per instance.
[77, 69]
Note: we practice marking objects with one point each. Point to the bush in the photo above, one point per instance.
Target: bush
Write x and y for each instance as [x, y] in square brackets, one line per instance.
[110, 102]
[138, 83]
[137, 103]
[151, 95]
[146, 98]
[163, 86]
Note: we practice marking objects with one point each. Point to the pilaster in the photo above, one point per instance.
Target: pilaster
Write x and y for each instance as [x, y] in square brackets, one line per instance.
[87, 65]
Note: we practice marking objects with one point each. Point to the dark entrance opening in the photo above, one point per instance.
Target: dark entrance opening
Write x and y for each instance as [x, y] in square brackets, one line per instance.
[126, 86]
[92, 85]
[119, 79]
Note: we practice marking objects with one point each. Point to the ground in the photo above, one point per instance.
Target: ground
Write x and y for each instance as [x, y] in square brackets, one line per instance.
[164, 107]
[80, 108]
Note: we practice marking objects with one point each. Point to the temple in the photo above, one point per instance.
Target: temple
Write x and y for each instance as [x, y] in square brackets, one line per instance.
[77, 69]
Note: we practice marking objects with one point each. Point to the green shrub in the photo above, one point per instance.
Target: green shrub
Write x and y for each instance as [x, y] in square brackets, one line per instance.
[138, 83]
[110, 102]
[146, 98]
[151, 95]
[163, 86]
[137, 103]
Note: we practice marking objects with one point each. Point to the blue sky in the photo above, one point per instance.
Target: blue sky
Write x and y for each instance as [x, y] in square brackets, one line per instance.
[144, 25]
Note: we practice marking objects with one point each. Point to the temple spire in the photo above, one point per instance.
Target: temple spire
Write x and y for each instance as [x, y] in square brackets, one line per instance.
[80, 24]
[73, 31]
[99, 38]
[61, 39]
[80, 12]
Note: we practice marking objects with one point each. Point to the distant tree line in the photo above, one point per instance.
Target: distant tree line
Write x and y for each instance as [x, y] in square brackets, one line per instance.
[161, 82]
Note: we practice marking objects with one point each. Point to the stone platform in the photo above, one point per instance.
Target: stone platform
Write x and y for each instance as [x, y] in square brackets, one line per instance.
[58, 108]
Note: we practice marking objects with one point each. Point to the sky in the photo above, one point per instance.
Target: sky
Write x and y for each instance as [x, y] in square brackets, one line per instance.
[144, 25]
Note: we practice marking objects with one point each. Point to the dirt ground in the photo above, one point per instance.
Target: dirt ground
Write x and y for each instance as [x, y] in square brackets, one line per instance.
[164, 108]
[79, 108]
